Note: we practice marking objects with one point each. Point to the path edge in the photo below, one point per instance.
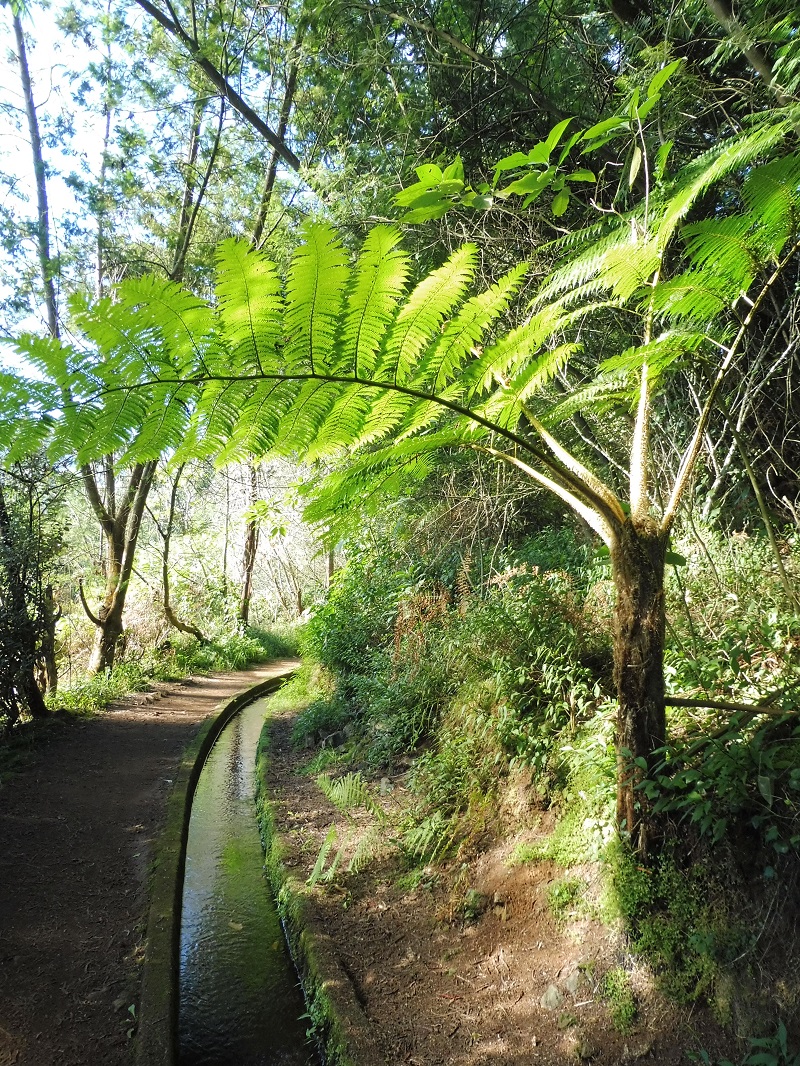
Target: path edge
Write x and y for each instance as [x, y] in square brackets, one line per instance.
[336, 1017]
[156, 1039]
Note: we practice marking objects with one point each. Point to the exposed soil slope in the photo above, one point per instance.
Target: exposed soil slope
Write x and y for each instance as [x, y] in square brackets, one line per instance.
[469, 967]
[76, 835]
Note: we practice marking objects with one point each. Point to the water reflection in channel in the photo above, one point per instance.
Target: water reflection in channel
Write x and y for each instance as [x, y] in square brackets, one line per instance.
[240, 1003]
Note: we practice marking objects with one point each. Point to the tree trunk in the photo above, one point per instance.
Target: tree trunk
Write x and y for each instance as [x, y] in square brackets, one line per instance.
[121, 531]
[638, 560]
[51, 615]
[250, 549]
[166, 536]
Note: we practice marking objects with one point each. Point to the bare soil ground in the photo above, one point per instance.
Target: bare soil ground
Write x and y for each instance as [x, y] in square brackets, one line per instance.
[470, 967]
[77, 826]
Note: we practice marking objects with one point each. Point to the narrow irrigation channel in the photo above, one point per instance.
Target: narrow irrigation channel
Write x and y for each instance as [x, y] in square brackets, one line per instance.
[239, 1000]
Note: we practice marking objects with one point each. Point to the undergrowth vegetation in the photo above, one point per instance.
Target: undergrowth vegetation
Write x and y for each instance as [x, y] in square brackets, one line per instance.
[418, 669]
[182, 657]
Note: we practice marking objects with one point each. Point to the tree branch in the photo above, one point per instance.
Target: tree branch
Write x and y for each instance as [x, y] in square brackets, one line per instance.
[86, 607]
[221, 83]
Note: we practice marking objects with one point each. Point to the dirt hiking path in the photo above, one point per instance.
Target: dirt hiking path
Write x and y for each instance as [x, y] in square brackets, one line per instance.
[77, 828]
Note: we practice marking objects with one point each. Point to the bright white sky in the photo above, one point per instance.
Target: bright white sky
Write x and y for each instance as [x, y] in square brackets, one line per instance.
[53, 63]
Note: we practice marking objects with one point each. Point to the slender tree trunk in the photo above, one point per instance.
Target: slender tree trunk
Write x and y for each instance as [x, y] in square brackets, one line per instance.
[43, 210]
[166, 536]
[48, 640]
[283, 126]
[250, 549]
[638, 560]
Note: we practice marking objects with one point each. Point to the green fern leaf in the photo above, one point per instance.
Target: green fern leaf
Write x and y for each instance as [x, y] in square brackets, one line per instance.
[462, 335]
[423, 313]
[250, 306]
[314, 296]
[377, 282]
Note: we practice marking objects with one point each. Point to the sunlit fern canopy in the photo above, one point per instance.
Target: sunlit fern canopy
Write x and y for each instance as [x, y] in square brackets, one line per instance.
[345, 352]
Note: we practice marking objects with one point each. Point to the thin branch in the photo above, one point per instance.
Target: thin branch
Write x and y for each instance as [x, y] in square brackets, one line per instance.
[752, 709]
[92, 617]
[221, 83]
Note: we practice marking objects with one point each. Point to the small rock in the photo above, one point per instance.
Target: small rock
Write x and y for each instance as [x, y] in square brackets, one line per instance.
[580, 1046]
[498, 900]
[573, 982]
[552, 998]
[386, 786]
[637, 1049]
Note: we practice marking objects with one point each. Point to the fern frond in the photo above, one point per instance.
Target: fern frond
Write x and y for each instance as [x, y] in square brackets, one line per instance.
[370, 844]
[601, 395]
[377, 281]
[693, 297]
[348, 792]
[318, 871]
[431, 838]
[725, 248]
[423, 313]
[250, 305]
[462, 335]
[772, 195]
[314, 295]
[729, 157]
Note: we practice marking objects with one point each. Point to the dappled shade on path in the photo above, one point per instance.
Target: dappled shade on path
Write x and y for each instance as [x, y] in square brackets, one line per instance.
[76, 834]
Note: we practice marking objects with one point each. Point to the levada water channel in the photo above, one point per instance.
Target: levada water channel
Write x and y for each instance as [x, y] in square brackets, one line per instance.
[240, 1002]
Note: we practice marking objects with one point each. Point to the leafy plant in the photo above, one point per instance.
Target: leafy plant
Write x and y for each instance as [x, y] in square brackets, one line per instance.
[616, 989]
[764, 1051]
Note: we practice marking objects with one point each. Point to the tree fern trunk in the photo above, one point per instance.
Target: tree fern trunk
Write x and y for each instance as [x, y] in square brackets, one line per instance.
[638, 559]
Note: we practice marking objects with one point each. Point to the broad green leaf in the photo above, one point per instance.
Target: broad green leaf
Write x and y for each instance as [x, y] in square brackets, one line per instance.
[581, 175]
[601, 128]
[661, 78]
[478, 203]
[425, 214]
[511, 162]
[561, 203]
[555, 134]
[636, 163]
[429, 173]
[661, 160]
[455, 170]
[530, 183]
[408, 196]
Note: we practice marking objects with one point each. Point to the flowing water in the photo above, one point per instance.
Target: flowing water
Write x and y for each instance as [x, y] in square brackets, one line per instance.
[240, 1001]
